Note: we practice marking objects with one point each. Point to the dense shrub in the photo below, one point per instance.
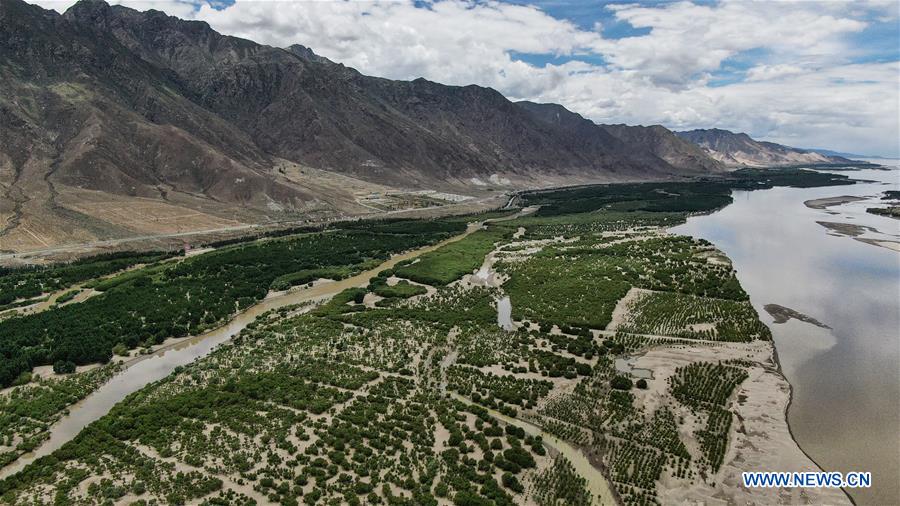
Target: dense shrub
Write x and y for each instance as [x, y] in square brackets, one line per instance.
[620, 383]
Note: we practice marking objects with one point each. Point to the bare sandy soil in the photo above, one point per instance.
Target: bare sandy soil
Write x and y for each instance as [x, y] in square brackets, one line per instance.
[620, 313]
[760, 439]
[144, 215]
[62, 250]
[855, 231]
[825, 203]
[891, 245]
[846, 229]
[56, 221]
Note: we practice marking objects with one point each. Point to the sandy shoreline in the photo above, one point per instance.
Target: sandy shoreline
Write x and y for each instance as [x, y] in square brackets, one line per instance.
[760, 438]
[826, 202]
[764, 442]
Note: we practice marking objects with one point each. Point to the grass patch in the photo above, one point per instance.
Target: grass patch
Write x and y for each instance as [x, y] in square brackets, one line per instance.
[66, 297]
[675, 314]
[453, 261]
[403, 290]
[305, 276]
[125, 277]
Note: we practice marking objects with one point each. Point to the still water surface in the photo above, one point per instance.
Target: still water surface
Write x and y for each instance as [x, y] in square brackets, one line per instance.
[845, 411]
[504, 314]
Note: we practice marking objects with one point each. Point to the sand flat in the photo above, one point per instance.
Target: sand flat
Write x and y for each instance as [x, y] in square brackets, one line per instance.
[760, 439]
[825, 203]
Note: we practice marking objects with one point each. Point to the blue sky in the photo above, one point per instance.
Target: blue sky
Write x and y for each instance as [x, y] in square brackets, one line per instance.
[804, 73]
[877, 42]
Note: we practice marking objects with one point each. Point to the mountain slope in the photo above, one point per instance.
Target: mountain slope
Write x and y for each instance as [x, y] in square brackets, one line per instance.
[665, 144]
[89, 127]
[649, 145]
[299, 106]
[116, 122]
[840, 154]
[738, 149]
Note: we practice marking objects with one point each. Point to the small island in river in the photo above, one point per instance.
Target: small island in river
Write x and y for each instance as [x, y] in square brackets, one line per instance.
[891, 211]
[825, 203]
[782, 314]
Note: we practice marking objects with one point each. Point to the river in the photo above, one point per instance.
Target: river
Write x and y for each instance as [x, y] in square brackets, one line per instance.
[147, 369]
[156, 366]
[845, 410]
[504, 314]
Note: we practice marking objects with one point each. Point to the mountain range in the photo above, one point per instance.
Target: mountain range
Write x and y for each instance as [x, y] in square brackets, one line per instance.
[842, 154]
[115, 123]
[740, 150]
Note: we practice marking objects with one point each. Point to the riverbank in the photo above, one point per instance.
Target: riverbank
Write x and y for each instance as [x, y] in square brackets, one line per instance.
[850, 282]
[140, 369]
[760, 439]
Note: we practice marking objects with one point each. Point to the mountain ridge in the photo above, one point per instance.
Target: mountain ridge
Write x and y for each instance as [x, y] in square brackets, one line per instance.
[843, 154]
[118, 122]
[741, 150]
[208, 63]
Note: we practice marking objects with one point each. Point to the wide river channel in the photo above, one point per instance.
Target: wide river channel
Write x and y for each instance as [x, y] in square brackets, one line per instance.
[845, 410]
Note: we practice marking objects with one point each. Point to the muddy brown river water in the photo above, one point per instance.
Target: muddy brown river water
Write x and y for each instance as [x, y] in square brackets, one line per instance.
[845, 410]
[144, 370]
[147, 369]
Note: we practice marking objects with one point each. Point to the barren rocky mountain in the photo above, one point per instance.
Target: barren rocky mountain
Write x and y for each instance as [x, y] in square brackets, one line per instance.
[739, 149]
[653, 145]
[115, 122]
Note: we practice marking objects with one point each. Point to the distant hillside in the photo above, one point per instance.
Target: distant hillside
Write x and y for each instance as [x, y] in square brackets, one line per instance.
[740, 150]
[665, 144]
[828, 152]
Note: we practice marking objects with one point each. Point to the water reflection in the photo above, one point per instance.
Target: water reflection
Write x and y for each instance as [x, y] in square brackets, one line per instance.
[626, 365]
[846, 406]
[504, 314]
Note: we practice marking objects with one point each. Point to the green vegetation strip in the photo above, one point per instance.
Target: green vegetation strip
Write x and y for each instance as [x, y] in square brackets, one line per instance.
[146, 306]
[451, 262]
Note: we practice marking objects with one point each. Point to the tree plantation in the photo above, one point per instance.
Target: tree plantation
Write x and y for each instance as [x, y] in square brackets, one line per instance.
[146, 306]
[624, 377]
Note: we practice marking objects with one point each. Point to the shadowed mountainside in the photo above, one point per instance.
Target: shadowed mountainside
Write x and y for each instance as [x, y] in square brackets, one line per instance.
[115, 122]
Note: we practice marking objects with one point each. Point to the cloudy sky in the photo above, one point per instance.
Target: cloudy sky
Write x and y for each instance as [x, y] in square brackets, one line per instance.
[803, 73]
